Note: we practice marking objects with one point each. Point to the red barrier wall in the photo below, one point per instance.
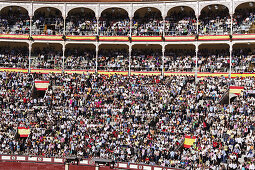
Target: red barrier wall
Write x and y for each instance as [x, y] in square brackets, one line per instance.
[105, 168]
[21, 162]
[30, 166]
[79, 167]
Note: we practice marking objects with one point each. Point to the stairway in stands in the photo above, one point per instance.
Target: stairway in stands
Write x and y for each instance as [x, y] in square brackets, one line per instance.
[252, 28]
[251, 67]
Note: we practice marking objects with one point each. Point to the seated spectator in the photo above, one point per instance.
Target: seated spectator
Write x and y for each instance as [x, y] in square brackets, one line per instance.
[80, 23]
[80, 59]
[14, 21]
[113, 59]
[213, 60]
[214, 23]
[114, 23]
[243, 19]
[151, 24]
[180, 23]
[51, 24]
[14, 57]
[242, 60]
[179, 60]
[47, 58]
[146, 60]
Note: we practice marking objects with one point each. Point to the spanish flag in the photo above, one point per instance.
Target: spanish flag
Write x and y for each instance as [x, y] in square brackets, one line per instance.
[189, 141]
[23, 131]
[41, 85]
[236, 90]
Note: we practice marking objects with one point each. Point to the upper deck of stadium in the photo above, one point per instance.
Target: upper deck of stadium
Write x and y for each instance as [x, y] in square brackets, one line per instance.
[129, 27]
[131, 6]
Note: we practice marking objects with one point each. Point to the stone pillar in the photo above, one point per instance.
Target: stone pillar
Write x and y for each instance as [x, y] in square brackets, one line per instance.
[64, 30]
[129, 59]
[163, 60]
[96, 58]
[63, 61]
[30, 25]
[196, 63]
[29, 56]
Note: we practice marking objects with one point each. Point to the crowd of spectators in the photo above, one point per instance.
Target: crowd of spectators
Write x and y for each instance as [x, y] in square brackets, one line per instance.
[243, 60]
[148, 24]
[138, 119]
[14, 57]
[183, 60]
[49, 22]
[46, 58]
[176, 60]
[213, 60]
[113, 59]
[180, 23]
[214, 20]
[219, 61]
[114, 23]
[243, 21]
[78, 59]
[13, 20]
[146, 60]
[81, 23]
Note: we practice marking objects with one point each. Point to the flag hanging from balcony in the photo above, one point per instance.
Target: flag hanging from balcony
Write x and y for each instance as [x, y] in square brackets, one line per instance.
[23, 131]
[189, 141]
[236, 90]
[41, 85]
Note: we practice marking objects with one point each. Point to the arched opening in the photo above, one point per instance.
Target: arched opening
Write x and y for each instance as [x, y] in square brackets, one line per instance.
[14, 55]
[148, 22]
[80, 57]
[81, 21]
[180, 58]
[213, 58]
[47, 21]
[113, 57]
[243, 59]
[46, 56]
[214, 20]
[180, 20]
[244, 18]
[14, 20]
[146, 57]
[114, 22]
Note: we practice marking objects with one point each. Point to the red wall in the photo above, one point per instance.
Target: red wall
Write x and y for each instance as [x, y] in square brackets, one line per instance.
[44, 166]
[105, 168]
[79, 167]
[30, 166]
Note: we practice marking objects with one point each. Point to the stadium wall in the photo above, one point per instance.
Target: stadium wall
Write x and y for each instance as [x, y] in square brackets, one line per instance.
[19, 162]
[31, 166]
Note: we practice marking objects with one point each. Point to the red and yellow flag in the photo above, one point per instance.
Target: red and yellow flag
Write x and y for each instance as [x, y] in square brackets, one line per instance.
[41, 85]
[189, 141]
[236, 90]
[23, 131]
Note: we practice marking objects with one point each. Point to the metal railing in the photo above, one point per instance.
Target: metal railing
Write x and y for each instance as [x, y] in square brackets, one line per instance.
[112, 32]
[147, 33]
[113, 68]
[81, 33]
[55, 26]
[47, 31]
